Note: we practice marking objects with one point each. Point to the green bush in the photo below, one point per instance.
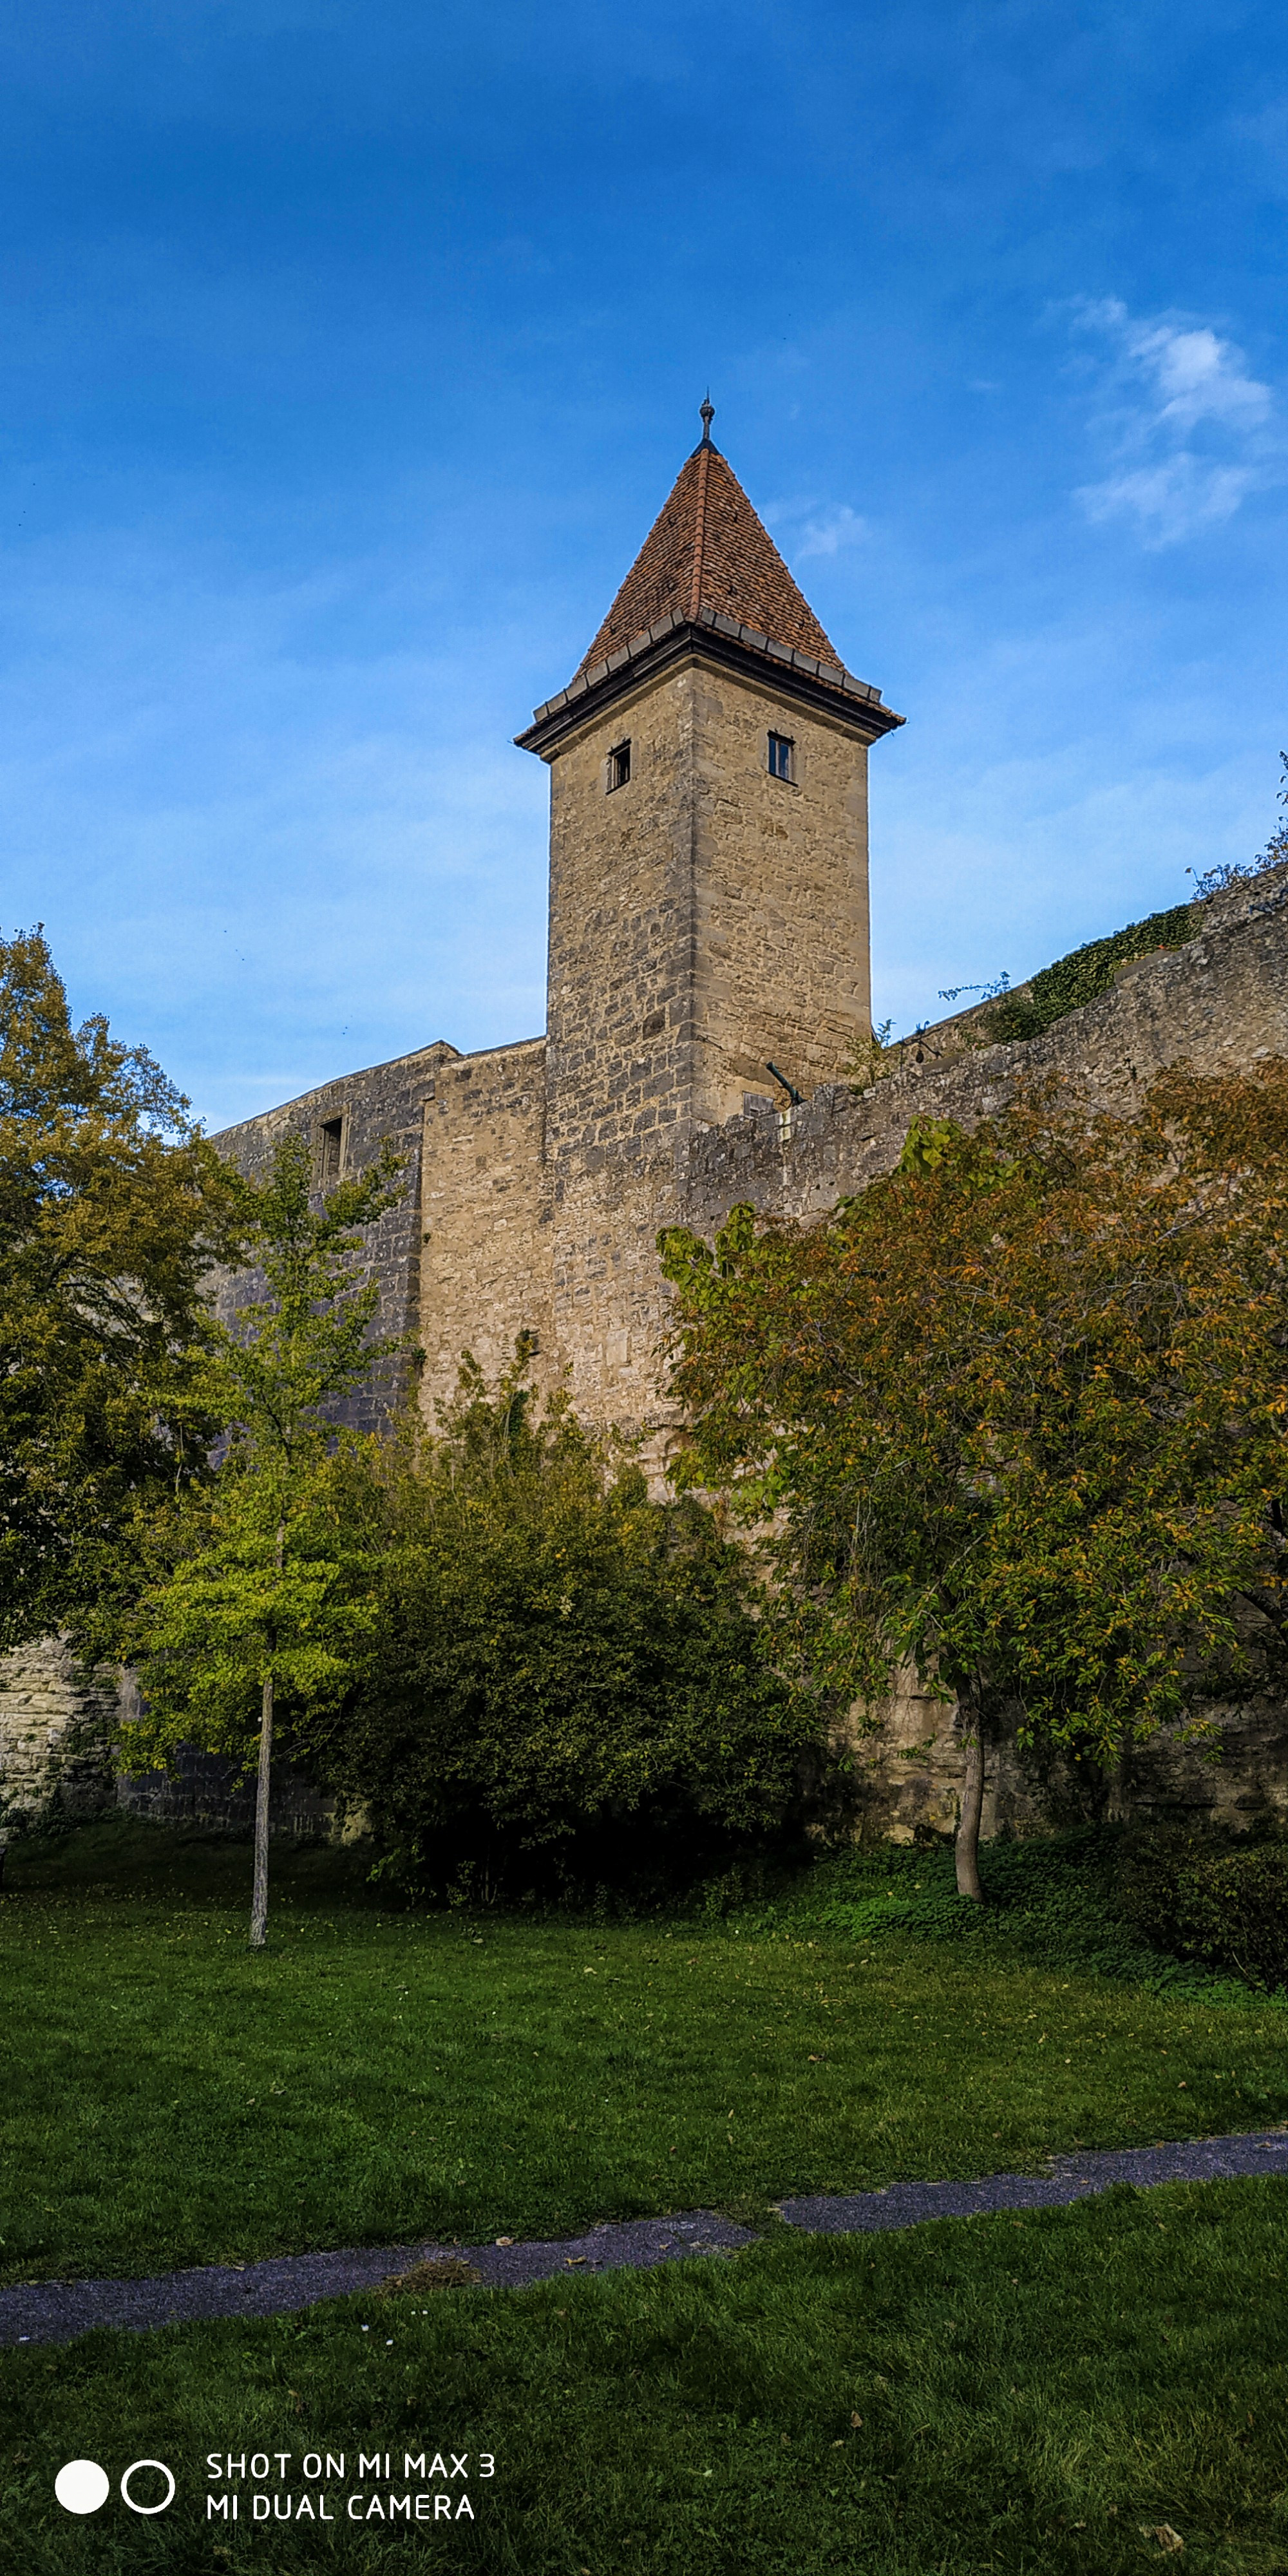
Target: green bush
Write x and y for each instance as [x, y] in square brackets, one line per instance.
[1091, 1901]
[567, 1689]
[1228, 1909]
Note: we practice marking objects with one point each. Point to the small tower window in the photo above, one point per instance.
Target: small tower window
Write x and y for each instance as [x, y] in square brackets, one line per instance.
[619, 766]
[330, 1140]
[781, 761]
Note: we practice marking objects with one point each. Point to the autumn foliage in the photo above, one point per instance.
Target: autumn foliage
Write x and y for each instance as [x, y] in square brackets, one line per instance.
[1018, 1412]
[113, 1208]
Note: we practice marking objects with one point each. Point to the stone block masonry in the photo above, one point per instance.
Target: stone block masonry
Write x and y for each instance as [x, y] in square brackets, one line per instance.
[485, 1235]
[346, 1123]
[56, 1727]
[1220, 1004]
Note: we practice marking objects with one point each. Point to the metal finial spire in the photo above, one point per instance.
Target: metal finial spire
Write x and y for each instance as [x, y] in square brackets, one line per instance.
[706, 414]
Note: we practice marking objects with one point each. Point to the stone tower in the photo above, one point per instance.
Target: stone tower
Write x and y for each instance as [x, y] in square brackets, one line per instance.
[708, 895]
[708, 957]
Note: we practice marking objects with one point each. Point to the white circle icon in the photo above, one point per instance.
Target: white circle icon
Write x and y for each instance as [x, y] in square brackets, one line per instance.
[127, 2498]
[81, 2486]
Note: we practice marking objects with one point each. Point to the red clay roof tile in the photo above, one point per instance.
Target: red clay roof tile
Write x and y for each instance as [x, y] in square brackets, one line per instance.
[707, 549]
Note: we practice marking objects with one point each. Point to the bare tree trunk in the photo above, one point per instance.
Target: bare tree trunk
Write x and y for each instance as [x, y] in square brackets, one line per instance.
[259, 1895]
[259, 1890]
[967, 1850]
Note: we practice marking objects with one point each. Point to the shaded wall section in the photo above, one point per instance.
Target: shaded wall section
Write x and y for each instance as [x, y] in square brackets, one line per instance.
[346, 1123]
[485, 1272]
[57, 1723]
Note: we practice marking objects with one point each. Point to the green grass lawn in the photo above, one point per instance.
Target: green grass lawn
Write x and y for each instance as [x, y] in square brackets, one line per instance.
[1032, 2394]
[173, 2098]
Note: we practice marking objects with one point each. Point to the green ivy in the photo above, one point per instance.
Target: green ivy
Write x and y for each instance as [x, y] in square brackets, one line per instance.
[1086, 973]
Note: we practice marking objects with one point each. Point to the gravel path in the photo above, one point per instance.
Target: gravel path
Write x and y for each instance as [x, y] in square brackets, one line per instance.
[906, 2204]
[58, 2311]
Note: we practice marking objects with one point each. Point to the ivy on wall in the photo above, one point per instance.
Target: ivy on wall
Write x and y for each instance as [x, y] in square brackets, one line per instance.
[1086, 973]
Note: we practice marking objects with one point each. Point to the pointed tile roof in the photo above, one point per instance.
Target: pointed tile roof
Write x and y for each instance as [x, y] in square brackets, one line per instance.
[709, 579]
[708, 550]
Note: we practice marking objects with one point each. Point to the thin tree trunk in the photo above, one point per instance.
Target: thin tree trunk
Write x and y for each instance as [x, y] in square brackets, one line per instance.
[259, 1896]
[967, 1849]
[259, 1891]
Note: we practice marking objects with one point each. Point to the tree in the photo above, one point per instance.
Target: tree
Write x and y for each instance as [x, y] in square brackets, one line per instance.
[1017, 1413]
[564, 1686]
[112, 1209]
[261, 1588]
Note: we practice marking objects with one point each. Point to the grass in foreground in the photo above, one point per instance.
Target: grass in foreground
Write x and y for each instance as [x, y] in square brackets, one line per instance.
[1032, 2394]
[176, 2099]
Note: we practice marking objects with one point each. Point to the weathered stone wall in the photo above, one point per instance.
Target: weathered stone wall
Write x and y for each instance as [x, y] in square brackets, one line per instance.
[383, 1105]
[1219, 1003]
[58, 1732]
[485, 1267]
[56, 1726]
[909, 1775]
[540, 1204]
[781, 895]
[204, 1791]
[706, 919]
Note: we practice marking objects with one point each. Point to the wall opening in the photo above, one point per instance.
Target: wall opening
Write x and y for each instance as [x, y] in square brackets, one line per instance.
[330, 1146]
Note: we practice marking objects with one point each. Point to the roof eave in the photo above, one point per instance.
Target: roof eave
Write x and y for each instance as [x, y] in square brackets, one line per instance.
[717, 637]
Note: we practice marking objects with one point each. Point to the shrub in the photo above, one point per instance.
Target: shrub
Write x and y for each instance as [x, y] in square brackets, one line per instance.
[1228, 1909]
[567, 1687]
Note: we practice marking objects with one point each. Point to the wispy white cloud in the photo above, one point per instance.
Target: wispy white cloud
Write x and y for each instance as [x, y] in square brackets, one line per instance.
[815, 528]
[1189, 431]
[1172, 499]
[833, 529]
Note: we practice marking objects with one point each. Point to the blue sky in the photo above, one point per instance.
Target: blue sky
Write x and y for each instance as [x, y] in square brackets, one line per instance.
[349, 351]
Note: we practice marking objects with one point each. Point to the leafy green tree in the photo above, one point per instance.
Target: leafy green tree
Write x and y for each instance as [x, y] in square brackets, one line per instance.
[262, 1588]
[564, 1685]
[112, 1209]
[1017, 1414]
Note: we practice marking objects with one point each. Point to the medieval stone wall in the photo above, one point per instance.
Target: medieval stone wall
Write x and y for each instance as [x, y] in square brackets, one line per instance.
[204, 1791]
[485, 1258]
[56, 1727]
[1219, 1003]
[909, 1770]
[514, 1218]
[385, 1104]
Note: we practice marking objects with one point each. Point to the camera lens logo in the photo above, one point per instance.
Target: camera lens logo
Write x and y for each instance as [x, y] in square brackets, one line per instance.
[81, 2486]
